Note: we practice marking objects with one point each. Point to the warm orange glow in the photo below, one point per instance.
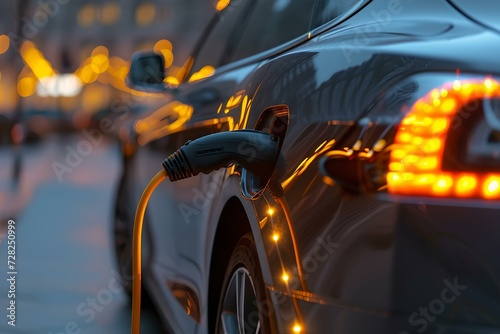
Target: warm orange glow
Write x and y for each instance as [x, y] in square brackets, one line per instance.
[246, 106]
[145, 14]
[35, 60]
[285, 277]
[95, 97]
[357, 145]
[431, 145]
[491, 187]
[4, 43]
[222, 4]
[100, 50]
[270, 211]
[110, 13]
[99, 63]
[86, 15]
[379, 145]
[203, 73]
[276, 237]
[234, 101]
[163, 44]
[304, 165]
[171, 81]
[427, 163]
[88, 74]
[164, 47]
[466, 185]
[166, 120]
[415, 165]
[448, 106]
[328, 181]
[442, 185]
[168, 56]
[26, 86]
[297, 328]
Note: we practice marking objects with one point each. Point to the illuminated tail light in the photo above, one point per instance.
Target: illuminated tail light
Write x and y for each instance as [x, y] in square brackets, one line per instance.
[416, 162]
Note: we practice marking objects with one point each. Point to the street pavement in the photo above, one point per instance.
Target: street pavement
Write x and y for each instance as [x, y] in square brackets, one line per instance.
[66, 279]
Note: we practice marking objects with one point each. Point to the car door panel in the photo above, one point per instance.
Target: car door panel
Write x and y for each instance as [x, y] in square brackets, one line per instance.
[179, 217]
[346, 241]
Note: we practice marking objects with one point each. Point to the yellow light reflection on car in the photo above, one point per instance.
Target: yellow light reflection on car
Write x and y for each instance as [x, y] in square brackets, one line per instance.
[160, 123]
[304, 165]
[203, 73]
[222, 4]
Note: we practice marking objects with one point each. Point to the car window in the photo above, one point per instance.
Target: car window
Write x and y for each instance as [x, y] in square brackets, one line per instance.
[274, 22]
[218, 46]
[327, 10]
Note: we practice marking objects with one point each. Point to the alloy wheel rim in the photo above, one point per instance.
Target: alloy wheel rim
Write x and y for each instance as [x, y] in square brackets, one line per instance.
[239, 314]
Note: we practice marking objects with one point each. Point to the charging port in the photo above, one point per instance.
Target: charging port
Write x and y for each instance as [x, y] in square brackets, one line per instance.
[274, 121]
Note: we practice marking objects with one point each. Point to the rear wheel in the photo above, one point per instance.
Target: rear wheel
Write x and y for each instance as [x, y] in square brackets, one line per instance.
[243, 293]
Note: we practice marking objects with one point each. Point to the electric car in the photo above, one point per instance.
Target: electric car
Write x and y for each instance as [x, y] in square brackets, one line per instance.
[385, 207]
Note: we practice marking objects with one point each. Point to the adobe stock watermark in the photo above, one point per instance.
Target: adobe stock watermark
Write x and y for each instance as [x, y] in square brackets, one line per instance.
[321, 252]
[425, 315]
[362, 35]
[94, 137]
[203, 195]
[44, 12]
[202, 198]
[88, 309]
[267, 308]
[323, 249]
[466, 111]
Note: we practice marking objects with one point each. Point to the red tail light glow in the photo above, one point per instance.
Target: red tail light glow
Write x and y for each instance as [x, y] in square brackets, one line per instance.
[415, 165]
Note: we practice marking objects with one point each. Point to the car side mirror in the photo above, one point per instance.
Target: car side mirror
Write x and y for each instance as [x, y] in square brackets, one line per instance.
[147, 72]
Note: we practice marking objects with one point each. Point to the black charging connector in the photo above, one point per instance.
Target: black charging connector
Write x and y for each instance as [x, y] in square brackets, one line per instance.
[254, 150]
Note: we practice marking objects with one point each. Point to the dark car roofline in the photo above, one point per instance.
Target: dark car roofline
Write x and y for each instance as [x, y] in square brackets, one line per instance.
[472, 18]
[282, 47]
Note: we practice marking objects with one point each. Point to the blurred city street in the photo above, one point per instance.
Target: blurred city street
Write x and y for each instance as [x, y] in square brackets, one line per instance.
[63, 66]
[67, 278]
[265, 166]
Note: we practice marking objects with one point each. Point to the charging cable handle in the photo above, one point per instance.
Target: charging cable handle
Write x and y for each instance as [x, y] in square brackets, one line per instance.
[254, 150]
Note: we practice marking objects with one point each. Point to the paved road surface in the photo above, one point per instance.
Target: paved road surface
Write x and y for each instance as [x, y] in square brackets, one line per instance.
[66, 281]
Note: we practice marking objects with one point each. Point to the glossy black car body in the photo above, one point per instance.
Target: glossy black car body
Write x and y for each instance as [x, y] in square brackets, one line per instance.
[339, 253]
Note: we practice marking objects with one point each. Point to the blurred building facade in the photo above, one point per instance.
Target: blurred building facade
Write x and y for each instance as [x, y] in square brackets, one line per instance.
[66, 33]
[122, 26]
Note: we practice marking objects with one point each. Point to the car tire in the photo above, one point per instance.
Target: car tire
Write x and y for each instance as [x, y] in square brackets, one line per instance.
[243, 282]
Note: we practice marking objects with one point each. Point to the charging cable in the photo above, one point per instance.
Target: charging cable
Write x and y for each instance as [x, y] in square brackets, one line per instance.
[137, 249]
[255, 151]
